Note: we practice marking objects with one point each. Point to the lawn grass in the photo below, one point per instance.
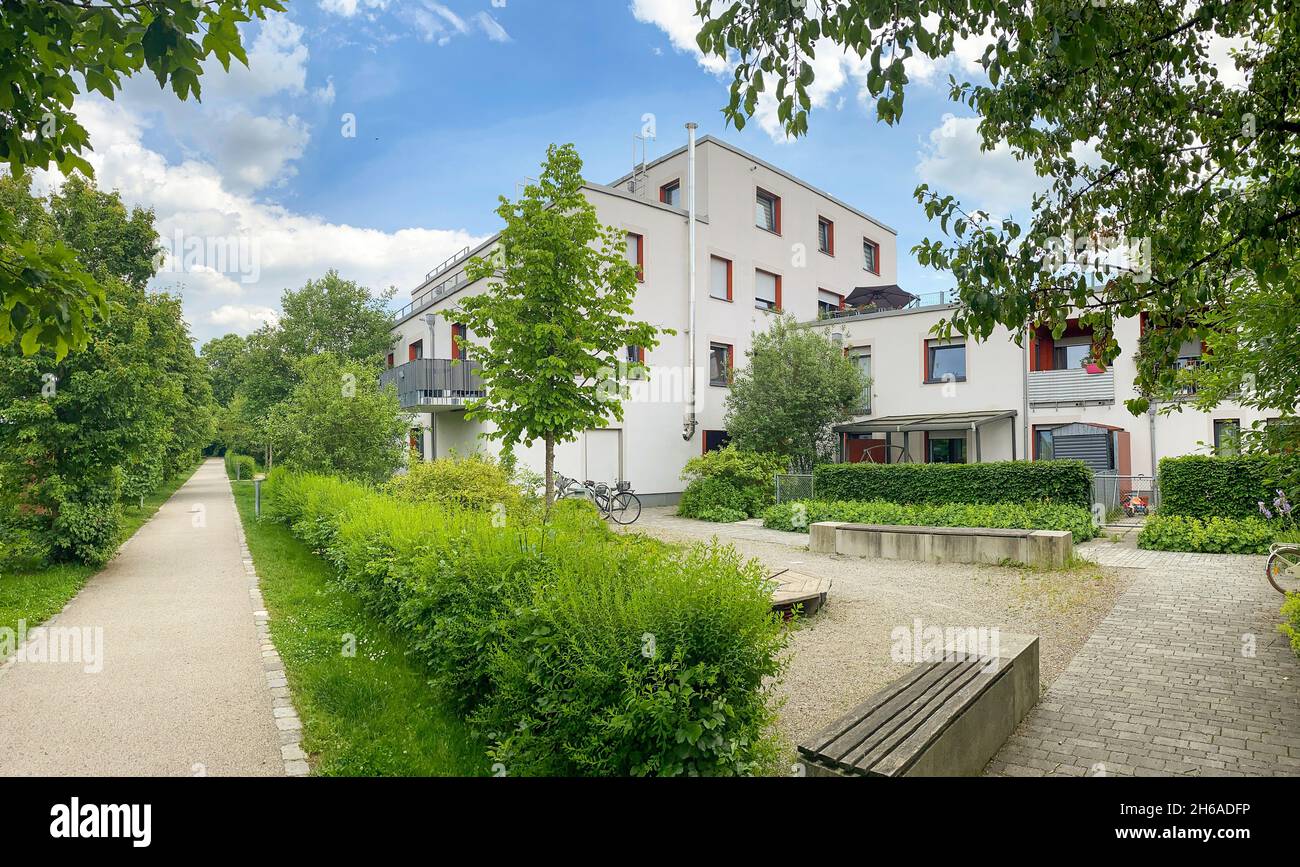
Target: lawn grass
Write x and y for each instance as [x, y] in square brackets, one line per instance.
[35, 596]
[372, 714]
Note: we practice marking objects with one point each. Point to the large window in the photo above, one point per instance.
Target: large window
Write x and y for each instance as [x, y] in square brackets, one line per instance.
[767, 291]
[415, 350]
[826, 236]
[945, 361]
[636, 253]
[671, 194]
[862, 358]
[829, 302]
[1071, 356]
[871, 255]
[715, 439]
[767, 211]
[720, 355]
[1227, 436]
[947, 450]
[720, 278]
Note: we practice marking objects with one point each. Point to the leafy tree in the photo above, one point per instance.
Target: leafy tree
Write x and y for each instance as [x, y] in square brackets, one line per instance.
[549, 330]
[227, 361]
[337, 420]
[49, 50]
[796, 385]
[1203, 167]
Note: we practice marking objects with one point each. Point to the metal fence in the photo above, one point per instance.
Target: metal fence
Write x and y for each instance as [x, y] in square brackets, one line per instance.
[1126, 493]
[791, 486]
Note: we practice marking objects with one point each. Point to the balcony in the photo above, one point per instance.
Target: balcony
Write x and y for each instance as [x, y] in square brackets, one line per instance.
[434, 384]
[1074, 387]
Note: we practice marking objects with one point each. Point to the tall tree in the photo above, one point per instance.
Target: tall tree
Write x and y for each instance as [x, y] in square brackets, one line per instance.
[1195, 156]
[49, 49]
[227, 361]
[795, 385]
[557, 311]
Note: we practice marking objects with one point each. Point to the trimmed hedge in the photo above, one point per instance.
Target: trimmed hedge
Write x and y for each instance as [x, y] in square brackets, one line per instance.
[1067, 482]
[1201, 486]
[1015, 516]
[240, 465]
[1290, 627]
[573, 650]
[1165, 532]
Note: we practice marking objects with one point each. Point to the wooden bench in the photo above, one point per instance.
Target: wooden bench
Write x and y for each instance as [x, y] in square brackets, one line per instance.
[795, 590]
[944, 718]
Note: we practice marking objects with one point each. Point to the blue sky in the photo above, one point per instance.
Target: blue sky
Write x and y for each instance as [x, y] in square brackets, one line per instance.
[455, 101]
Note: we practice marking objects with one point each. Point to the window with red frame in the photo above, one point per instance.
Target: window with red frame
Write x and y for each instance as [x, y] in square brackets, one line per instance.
[720, 271]
[636, 254]
[415, 350]
[671, 193]
[459, 347]
[767, 290]
[767, 211]
[826, 236]
[871, 255]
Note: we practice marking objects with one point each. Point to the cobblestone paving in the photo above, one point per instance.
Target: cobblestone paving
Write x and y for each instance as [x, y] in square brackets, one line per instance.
[1186, 676]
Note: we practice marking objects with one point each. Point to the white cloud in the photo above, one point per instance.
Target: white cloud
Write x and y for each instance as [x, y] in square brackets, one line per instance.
[492, 27]
[995, 181]
[242, 318]
[348, 8]
[255, 152]
[677, 19]
[435, 22]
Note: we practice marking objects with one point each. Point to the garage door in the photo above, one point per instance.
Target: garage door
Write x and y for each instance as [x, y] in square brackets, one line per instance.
[603, 455]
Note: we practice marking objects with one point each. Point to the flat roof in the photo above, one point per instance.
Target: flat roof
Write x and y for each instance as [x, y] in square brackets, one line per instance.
[926, 421]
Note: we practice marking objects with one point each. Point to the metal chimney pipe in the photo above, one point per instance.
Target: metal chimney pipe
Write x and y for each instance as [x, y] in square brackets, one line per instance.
[689, 422]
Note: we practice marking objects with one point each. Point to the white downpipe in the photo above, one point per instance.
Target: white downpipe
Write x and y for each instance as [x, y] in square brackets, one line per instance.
[689, 420]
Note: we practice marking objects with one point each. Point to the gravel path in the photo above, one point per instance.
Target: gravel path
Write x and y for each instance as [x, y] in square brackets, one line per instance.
[180, 688]
[842, 655]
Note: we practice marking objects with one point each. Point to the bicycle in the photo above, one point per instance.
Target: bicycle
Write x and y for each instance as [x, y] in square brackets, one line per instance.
[1283, 569]
[619, 504]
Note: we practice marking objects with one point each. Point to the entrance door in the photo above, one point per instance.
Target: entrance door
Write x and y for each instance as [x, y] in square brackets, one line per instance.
[603, 458]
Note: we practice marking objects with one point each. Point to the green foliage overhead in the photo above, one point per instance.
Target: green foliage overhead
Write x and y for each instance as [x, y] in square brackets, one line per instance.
[997, 482]
[794, 386]
[1140, 132]
[551, 329]
[798, 516]
[52, 51]
[1201, 486]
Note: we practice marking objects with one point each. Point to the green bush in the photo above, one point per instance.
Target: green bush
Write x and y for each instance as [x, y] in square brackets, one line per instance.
[1068, 482]
[1164, 532]
[728, 481]
[1200, 486]
[573, 650]
[240, 466]
[1290, 627]
[476, 482]
[1019, 516]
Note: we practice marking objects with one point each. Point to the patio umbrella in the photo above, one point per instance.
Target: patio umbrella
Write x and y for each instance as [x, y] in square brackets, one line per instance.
[891, 297]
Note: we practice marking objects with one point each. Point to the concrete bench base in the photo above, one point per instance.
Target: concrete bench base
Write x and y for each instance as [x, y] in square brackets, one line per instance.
[1048, 549]
[945, 718]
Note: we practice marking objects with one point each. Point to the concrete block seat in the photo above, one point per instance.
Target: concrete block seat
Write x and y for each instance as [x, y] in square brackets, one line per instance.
[943, 718]
[1048, 549]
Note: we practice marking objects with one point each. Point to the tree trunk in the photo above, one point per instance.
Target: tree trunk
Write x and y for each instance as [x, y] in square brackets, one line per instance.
[550, 472]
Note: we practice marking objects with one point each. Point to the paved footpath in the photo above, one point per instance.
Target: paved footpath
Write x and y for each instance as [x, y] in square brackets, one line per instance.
[1186, 676]
[182, 690]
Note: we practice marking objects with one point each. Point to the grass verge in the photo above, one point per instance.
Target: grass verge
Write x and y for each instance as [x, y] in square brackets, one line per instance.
[372, 714]
[36, 596]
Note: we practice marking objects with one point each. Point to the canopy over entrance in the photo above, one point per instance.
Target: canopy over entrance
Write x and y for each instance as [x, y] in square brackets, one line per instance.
[941, 421]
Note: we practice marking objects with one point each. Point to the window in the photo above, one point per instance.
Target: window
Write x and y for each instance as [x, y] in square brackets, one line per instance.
[871, 255]
[826, 236]
[1227, 436]
[829, 302]
[416, 350]
[458, 348]
[636, 355]
[390, 361]
[671, 194]
[768, 212]
[862, 358]
[1071, 356]
[1043, 444]
[767, 291]
[945, 361]
[417, 441]
[720, 278]
[715, 439]
[947, 450]
[636, 254]
[720, 364]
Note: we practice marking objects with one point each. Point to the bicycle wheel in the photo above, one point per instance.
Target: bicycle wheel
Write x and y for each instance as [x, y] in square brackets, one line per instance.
[1283, 570]
[625, 508]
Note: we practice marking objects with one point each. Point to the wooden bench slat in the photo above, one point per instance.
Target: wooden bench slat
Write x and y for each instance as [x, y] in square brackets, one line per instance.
[853, 717]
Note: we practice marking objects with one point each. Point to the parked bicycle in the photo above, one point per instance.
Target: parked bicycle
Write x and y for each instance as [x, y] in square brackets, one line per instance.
[618, 503]
[1283, 569]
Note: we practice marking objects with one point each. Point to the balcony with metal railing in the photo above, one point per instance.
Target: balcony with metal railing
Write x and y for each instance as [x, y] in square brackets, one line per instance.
[434, 384]
[1071, 387]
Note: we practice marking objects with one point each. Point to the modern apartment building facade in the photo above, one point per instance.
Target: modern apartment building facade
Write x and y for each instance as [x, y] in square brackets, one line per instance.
[765, 241]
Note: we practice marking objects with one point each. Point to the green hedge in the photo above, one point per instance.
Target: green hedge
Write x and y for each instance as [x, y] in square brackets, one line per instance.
[1018, 516]
[572, 650]
[714, 498]
[1068, 482]
[1164, 532]
[1290, 627]
[241, 466]
[729, 484]
[1200, 486]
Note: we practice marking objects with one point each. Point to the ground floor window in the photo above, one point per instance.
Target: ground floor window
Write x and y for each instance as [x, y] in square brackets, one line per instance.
[1043, 444]
[1227, 436]
[417, 441]
[715, 439]
[947, 450]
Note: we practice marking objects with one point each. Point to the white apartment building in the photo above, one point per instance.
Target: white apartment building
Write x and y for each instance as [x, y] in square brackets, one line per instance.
[960, 401]
[764, 241]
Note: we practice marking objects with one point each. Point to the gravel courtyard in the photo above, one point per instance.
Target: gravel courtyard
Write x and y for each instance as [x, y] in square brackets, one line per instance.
[842, 655]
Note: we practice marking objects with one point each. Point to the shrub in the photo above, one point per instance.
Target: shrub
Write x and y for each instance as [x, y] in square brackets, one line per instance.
[1068, 482]
[1290, 627]
[572, 649]
[714, 498]
[240, 466]
[88, 525]
[1019, 516]
[1200, 486]
[729, 484]
[1164, 532]
[476, 482]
